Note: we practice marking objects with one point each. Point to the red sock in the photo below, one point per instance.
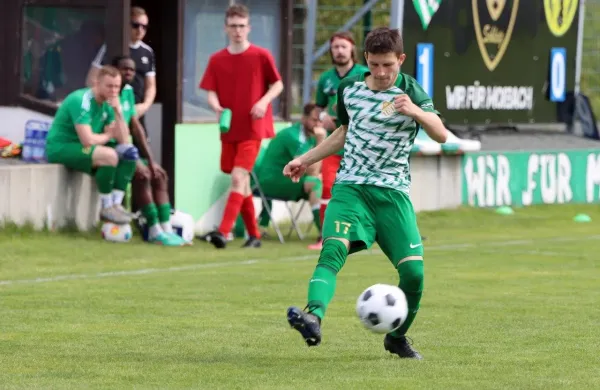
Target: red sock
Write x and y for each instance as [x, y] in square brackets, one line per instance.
[249, 217]
[232, 209]
[322, 213]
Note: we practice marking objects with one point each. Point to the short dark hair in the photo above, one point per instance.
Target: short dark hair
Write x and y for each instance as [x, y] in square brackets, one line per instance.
[239, 10]
[117, 59]
[384, 40]
[309, 108]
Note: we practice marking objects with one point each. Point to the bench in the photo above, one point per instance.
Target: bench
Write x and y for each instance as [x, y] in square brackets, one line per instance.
[47, 196]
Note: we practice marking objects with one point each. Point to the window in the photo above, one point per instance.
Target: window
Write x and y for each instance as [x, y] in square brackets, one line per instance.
[204, 34]
[58, 46]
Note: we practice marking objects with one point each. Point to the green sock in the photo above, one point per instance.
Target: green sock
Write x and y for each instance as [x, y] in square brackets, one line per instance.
[150, 212]
[264, 215]
[316, 212]
[411, 283]
[164, 212]
[321, 287]
[124, 174]
[105, 179]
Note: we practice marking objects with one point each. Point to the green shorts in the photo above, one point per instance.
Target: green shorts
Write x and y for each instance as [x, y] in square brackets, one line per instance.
[72, 155]
[282, 187]
[364, 214]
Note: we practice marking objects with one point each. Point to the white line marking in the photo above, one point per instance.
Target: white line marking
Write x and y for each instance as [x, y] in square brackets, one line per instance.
[314, 256]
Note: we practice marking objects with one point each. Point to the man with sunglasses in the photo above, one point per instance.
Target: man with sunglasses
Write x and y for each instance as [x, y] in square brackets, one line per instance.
[144, 82]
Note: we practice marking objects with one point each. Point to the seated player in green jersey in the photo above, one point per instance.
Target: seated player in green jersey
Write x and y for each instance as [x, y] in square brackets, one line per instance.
[288, 144]
[150, 182]
[89, 135]
[380, 114]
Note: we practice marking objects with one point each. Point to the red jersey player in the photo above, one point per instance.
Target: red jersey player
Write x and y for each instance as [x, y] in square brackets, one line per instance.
[243, 78]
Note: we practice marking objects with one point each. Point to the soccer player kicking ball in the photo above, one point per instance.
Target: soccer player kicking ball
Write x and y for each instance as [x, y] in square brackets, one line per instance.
[380, 112]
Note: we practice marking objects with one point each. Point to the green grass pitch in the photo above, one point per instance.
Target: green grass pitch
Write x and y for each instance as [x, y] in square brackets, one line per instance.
[510, 302]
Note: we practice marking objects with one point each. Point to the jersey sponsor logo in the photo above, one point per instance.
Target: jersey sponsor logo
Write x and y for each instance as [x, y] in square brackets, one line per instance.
[126, 106]
[328, 89]
[413, 246]
[494, 25]
[387, 108]
[560, 15]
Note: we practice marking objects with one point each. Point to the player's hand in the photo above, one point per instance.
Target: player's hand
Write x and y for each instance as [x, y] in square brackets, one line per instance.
[141, 109]
[320, 133]
[115, 103]
[142, 172]
[259, 109]
[111, 130]
[158, 172]
[295, 169]
[405, 106]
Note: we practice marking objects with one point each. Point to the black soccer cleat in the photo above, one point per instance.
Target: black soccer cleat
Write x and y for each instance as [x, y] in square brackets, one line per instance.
[217, 239]
[309, 325]
[252, 242]
[401, 347]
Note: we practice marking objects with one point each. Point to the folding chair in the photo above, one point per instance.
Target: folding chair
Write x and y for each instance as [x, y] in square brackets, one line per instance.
[267, 201]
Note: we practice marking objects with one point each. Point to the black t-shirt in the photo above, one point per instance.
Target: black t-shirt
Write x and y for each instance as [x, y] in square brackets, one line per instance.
[145, 65]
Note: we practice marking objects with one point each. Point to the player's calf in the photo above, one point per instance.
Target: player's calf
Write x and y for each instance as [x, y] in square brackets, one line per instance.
[309, 325]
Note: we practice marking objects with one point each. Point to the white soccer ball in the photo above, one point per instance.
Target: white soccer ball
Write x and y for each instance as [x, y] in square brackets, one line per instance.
[382, 308]
[183, 224]
[116, 233]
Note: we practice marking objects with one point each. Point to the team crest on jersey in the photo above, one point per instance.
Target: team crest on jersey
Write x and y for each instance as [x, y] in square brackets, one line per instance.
[328, 89]
[387, 109]
[126, 106]
[104, 116]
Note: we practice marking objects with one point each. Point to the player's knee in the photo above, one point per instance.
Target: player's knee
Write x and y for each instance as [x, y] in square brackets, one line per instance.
[105, 157]
[334, 254]
[411, 275]
[314, 185]
[239, 179]
[160, 182]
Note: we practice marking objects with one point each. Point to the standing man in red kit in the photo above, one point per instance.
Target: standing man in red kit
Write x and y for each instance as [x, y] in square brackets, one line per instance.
[244, 79]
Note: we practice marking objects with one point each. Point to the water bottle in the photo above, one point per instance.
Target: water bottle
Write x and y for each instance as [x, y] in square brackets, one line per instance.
[39, 148]
[27, 152]
[36, 145]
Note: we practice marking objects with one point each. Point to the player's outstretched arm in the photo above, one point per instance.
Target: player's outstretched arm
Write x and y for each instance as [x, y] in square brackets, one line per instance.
[332, 144]
[297, 167]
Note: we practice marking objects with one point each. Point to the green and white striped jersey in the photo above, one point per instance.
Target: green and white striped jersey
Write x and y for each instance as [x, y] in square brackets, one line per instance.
[379, 139]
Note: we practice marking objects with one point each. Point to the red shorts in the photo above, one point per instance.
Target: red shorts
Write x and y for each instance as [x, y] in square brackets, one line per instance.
[239, 154]
[329, 168]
